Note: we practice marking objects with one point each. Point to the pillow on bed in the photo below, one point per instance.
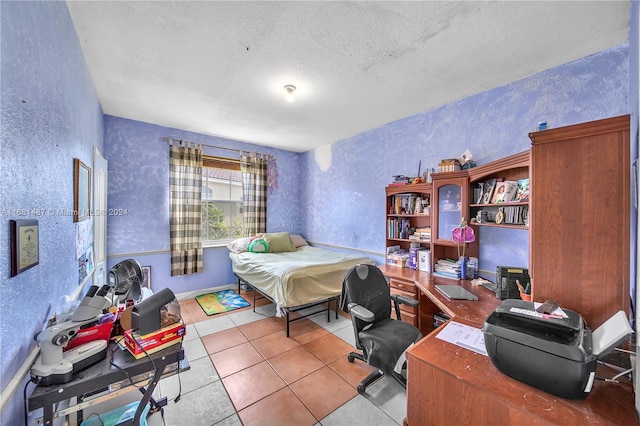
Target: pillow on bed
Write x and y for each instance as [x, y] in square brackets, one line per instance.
[298, 241]
[240, 245]
[279, 242]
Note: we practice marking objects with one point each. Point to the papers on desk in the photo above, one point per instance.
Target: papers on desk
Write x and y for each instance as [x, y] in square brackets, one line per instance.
[463, 335]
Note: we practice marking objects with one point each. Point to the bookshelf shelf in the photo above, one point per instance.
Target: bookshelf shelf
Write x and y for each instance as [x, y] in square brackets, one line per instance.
[405, 216]
[408, 240]
[511, 203]
[493, 225]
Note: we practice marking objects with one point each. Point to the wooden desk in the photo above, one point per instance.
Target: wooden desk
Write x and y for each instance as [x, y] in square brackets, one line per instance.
[448, 384]
[431, 301]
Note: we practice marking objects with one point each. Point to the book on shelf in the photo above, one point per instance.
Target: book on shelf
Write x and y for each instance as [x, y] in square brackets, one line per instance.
[405, 203]
[516, 215]
[505, 191]
[522, 193]
[409, 204]
[487, 195]
[398, 228]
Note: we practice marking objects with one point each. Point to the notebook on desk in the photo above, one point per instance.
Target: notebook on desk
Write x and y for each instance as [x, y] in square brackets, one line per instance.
[455, 292]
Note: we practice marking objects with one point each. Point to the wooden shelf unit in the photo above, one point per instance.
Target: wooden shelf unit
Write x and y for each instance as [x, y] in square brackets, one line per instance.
[513, 168]
[402, 281]
[580, 221]
[450, 205]
[421, 220]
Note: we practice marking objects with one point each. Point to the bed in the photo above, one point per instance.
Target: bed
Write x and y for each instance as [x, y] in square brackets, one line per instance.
[299, 277]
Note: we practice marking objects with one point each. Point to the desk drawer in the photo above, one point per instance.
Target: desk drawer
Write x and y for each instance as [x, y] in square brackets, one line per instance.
[406, 286]
[407, 317]
[403, 307]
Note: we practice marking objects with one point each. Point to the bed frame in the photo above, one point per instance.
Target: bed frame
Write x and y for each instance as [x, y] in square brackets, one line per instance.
[291, 309]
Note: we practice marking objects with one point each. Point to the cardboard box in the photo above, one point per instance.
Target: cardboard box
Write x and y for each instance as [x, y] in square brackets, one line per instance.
[414, 257]
[424, 260]
[153, 342]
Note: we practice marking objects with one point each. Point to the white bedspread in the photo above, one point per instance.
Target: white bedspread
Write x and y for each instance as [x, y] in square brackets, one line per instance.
[307, 275]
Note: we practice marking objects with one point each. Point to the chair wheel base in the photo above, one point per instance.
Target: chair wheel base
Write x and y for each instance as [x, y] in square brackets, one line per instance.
[361, 389]
[350, 358]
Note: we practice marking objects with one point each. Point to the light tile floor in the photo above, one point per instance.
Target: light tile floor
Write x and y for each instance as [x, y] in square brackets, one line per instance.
[244, 370]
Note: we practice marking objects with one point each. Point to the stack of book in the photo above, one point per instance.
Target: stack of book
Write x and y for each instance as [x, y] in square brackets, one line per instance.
[421, 234]
[400, 180]
[447, 268]
[439, 318]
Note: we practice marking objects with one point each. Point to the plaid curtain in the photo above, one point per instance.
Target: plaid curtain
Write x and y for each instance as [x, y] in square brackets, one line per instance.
[254, 189]
[185, 187]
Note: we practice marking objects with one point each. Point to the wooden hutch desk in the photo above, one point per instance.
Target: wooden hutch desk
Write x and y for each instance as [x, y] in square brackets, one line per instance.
[448, 384]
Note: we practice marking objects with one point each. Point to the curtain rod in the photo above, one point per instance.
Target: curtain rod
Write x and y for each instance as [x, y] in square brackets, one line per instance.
[170, 139]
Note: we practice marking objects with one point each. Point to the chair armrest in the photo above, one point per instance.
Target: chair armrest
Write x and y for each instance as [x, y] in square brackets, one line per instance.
[404, 299]
[361, 312]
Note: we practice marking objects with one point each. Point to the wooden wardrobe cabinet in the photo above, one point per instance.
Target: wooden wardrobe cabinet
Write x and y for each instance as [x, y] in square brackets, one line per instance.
[580, 217]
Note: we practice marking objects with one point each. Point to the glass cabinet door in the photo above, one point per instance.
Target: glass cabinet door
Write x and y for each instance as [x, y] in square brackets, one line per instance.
[449, 210]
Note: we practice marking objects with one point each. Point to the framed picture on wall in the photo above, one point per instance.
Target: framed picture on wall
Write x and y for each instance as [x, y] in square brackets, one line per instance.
[146, 277]
[24, 241]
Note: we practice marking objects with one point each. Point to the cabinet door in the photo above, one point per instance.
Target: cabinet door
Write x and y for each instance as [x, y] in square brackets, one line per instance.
[580, 222]
[450, 206]
[449, 210]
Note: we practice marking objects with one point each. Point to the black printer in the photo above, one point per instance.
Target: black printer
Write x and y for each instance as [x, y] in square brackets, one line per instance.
[552, 353]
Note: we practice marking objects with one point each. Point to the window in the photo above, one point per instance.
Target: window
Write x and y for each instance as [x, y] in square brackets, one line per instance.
[221, 200]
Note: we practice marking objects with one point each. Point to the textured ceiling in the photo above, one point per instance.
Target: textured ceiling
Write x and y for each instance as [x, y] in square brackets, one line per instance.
[219, 68]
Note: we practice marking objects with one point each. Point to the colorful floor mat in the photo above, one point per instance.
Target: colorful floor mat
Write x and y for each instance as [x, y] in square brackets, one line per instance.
[221, 301]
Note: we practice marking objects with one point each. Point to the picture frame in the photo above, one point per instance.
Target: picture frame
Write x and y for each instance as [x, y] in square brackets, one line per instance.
[81, 191]
[489, 186]
[25, 241]
[146, 277]
[522, 193]
[480, 193]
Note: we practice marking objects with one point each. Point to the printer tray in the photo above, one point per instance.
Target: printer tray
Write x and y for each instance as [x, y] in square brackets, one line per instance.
[560, 361]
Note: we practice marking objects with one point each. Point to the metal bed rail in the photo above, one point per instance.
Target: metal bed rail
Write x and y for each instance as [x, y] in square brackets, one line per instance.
[292, 309]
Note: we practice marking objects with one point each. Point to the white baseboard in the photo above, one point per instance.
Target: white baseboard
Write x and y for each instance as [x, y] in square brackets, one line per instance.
[192, 294]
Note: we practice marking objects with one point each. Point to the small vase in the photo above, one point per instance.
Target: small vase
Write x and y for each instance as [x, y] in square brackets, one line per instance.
[463, 267]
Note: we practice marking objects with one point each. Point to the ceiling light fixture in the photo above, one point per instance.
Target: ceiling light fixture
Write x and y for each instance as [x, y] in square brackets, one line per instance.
[290, 88]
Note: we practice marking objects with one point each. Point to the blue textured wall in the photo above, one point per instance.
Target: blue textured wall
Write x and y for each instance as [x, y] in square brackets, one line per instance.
[139, 183]
[50, 115]
[344, 182]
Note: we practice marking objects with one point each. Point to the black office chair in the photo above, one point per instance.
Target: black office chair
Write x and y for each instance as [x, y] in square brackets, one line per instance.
[382, 339]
